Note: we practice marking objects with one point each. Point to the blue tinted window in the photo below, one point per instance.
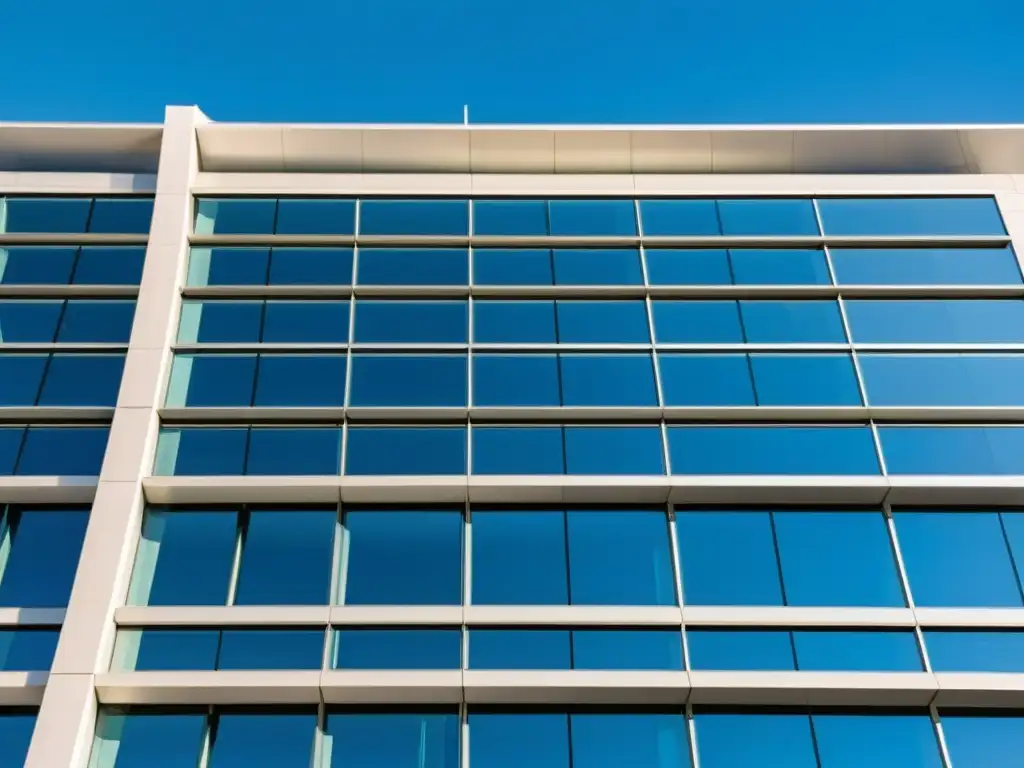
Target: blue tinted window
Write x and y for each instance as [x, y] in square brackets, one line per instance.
[413, 266]
[512, 380]
[883, 741]
[82, 380]
[20, 378]
[297, 542]
[940, 548]
[975, 651]
[514, 322]
[948, 321]
[239, 216]
[836, 558]
[592, 217]
[650, 649]
[228, 266]
[643, 574]
[109, 266]
[47, 214]
[652, 740]
[510, 217]
[36, 266]
[705, 380]
[728, 557]
[406, 451]
[29, 321]
[501, 266]
[520, 649]
[679, 217]
[580, 266]
[278, 739]
[767, 217]
[982, 740]
[512, 740]
[953, 450]
[925, 266]
[294, 451]
[126, 215]
[411, 322]
[298, 216]
[602, 322]
[310, 266]
[745, 740]
[403, 557]
[697, 322]
[669, 266]
[300, 380]
[271, 649]
[398, 649]
[768, 450]
[201, 451]
[737, 649]
[851, 651]
[184, 557]
[306, 321]
[43, 547]
[136, 740]
[519, 558]
[518, 450]
[97, 321]
[62, 451]
[811, 379]
[414, 217]
[937, 380]
[409, 380]
[608, 380]
[779, 267]
[392, 739]
[10, 443]
[792, 322]
[219, 322]
[911, 216]
[614, 451]
[165, 650]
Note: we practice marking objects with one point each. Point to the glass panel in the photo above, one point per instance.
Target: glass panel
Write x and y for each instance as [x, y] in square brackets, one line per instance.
[392, 740]
[398, 649]
[109, 266]
[301, 381]
[836, 558]
[996, 450]
[10, 444]
[514, 322]
[42, 549]
[512, 380]
[519, 558]
[705, 380]
[306, 321]
[826, 651]
[412, 322]
[938, 380]
[294, 451]
[697, 322]
[92, 380]
[126, 215]
[941, 321]
[512, 740]
[271, 649]
[138, 740]
[670, 266]
[883, 741]
[518, 451]
[911, 216]
[310, 266]
[740, 649]
[228, 266]
[643, 574]
[512, 266]
[201, 451]
[679, 217]
[982, 741]
[298, 542]
[767, 217]
[21, 377]
[728, 558]
[403, 557]
[28, 321]
[592, 217]
[792, 322]
[510, 217]
[413, 266]
[645, 740]
[280, 740]
[746, 740]
[220, 322]
[519, 649]
[925, 266]
[940, 548]
[97, 321]
[602, 322]
[779, 267]
[333, 216]
[766, 450]
[580, 266]
[805, 380]
[63, 451]
[35, 265]
[239, 216]
[414, 217]
[185, 557]
[166, 650]
[975, 651]
[409, 380]
[47, 214]
[608, 380]
[614, 451]
[650, 649]
[406, 451]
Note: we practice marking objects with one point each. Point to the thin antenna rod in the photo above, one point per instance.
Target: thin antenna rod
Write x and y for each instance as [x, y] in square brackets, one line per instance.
[465, 114]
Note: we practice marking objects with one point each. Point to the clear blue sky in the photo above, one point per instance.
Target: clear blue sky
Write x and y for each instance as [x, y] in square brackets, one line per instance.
[642, 61]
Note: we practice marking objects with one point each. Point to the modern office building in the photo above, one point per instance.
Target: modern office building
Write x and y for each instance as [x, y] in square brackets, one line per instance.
[395, 446]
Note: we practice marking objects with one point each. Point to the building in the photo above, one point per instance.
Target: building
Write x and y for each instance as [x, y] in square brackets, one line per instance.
[495, 446]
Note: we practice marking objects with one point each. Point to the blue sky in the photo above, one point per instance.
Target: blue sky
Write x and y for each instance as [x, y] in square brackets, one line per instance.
[632, 61]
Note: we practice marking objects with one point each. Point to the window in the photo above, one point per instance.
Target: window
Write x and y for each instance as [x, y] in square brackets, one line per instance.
[738, 740]
[20, 378]
[406, 451]
[73, 451]
[96, 265]
[513, 322]
[510, 217]
[671, 266]
[305, 321]
[125, 215]
[576, 218]
[942, 380]
[507, 740]
[857, 651]
[294, 451]
[940, 321]
[512, 266]
[590, 649]
[414, 217]
[618, 450]
[96, 321]
[412, 649]
[602, 322]
[740, 649]
[62, 215]
[310, 266]
[220, 322]
[279, 739]
[607, 380]
[792, 322]
[411, 322]
[926, 266]
[42, 546]
[767, 217]
[239, 322]
[752, 266]
[413, 266]
[975, 651]
[982, 739]
[771, 450]
[696, 322]
[402, 557]
[427, 739]
[680, 217]
[228, 266]
[128, 739]
[300, 381]
[213, 649]
[580, 266]
[29, 321]
[884, 741]
[521, 450]
[82, 380]
[911, 216]
[409, 380]
[15, 734]
[520, 649]
[953, 450]
[235, 216]
[560, 557]
[109, 265]
[301, 216]
[513, 380]
[271, 649]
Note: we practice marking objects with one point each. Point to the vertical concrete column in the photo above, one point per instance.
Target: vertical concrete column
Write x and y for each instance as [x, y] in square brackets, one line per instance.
[67, 717]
